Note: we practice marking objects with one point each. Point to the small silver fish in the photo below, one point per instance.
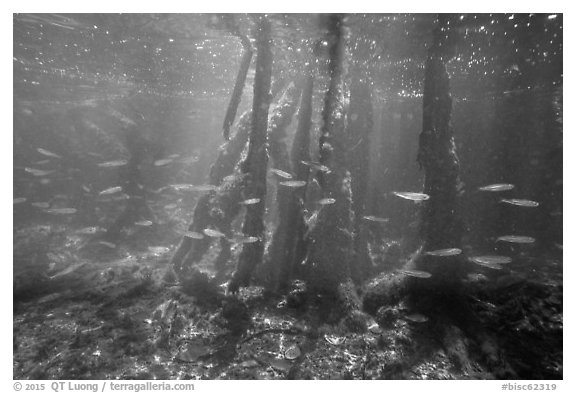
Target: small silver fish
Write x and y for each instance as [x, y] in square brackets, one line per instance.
[180, 187]
[193, 235]
[38, 172]
[251, 201]
[241, 239]
[107, 244]
[418, 318]
[375, 328]
[158, 250]
[281, 173]
[497, 187]
[19, 200]
[63, 210]
[162, 162]
[41, 205]
[495, 266]
[491, 259]
[413, 196]
[416, 273]
[42, 162]
[86, 189]
[171, 206]
[520, 202]
[48, 153]
[174, 156]
[112, 164]
[446, 252]
[204, 187]
[89, 230]
[317, 166]
[326, 201]
[213, 233]
[68, 270]
[111, 190]
[516, 239]
[293, 183]
[375, 219]
[144, 223]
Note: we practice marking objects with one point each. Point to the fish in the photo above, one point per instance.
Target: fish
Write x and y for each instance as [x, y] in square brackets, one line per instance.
[326, 201]
[19, 200]
[476, 277]
[293, 183]
[416, 273]
[174, 156]
[180, 187]
[497, 187]
[204, 187]
[418, 318]
[446, 252]
[491, 259]
[48, 153]
[41, 205]
[38, 172]
[516, 239]
[112, 164]
[158, 250]
[241, 239]
[68, 270]
[375, 219]
[317, 166]
[213, 233]
[413, 196]
[164, 161]
[193, 235]
[495, 266]
[281, 173]
[111, 190]
[107, 244]
[190, 160]
[292, 352]
[521, 202]
[86, 189]
[89, 230]
[171, 206]
[251, 201]
[42, 162]
[375, 328]
[144, 223]
[62, 210]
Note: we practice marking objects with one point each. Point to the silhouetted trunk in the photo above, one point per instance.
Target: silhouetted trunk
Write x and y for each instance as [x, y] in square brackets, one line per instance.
[359, 131]
[255, 165]
[442, 228]
[237, 92]
[223, 166]
[282, 245]
[330, 252]
[300, 153]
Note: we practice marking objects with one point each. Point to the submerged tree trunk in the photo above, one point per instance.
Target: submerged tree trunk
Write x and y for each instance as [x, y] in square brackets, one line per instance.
[256, 162]
[330, 251]
[359, 131]
[442, 228]
[282, 244]
[237, 92]
[223, 166]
